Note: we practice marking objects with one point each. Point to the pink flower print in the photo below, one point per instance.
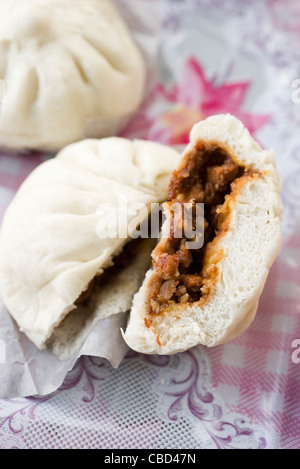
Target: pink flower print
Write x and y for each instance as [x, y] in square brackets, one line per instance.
[168, 115]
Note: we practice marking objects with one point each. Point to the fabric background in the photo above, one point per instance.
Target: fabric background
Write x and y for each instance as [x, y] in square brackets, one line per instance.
[240, 57]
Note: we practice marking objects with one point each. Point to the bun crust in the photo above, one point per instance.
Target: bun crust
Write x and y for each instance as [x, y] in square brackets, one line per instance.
[237, 257]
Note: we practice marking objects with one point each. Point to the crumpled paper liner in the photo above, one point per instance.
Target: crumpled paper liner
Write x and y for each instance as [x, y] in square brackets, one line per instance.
[94, 329]
[26, 370]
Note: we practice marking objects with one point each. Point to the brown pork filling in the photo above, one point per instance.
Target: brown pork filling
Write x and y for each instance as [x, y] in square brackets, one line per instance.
[205, 177]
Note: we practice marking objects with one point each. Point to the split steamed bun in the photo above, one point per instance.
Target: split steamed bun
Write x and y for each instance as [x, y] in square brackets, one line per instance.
[210, 295]
[52, 239]
[71, 71]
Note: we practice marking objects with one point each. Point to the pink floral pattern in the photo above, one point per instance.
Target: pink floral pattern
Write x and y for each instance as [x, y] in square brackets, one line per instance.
[241, 394]
[190, 391]
[285, 19]
[168, 115]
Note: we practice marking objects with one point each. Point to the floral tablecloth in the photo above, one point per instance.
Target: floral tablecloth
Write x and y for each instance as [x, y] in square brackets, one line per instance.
[240, 57]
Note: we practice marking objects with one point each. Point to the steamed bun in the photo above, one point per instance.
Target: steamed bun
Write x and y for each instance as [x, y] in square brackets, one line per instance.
[71, 71]
[52, 241]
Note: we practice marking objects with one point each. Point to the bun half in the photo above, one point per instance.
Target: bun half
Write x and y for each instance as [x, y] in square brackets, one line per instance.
[210, 295]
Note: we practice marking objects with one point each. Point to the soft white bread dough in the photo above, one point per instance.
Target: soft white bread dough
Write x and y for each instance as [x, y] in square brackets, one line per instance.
[249, 247]
[71, 71]
[52, 241]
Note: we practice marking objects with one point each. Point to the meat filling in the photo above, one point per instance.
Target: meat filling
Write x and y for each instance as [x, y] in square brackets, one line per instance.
[205, 177]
